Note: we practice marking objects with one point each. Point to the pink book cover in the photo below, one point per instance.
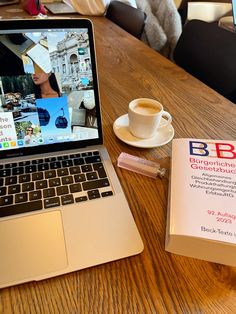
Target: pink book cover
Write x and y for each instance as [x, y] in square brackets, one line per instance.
[202, 200]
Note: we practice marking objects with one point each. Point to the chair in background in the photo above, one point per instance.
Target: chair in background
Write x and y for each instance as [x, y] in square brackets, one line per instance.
[208, 52]
[127, 17]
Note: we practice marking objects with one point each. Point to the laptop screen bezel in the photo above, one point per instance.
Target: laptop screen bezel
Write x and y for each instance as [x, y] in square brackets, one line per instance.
[47, 24]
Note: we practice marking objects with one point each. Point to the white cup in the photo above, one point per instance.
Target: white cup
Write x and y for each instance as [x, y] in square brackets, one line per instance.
[145, 115]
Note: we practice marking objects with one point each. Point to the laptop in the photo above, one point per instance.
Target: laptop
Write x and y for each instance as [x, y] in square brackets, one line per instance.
[62, 207]
[62, 7]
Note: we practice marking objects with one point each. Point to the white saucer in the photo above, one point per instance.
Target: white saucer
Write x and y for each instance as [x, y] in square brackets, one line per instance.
[121, 130]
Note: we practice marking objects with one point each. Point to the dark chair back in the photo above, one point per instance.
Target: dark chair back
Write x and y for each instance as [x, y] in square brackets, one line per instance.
[208, 52]
[127, 17]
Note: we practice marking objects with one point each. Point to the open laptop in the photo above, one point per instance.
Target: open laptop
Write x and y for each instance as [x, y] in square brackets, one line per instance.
[61, 7]
[62, 207]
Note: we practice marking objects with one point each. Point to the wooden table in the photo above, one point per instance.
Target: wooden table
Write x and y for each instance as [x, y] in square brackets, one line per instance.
[154, 281]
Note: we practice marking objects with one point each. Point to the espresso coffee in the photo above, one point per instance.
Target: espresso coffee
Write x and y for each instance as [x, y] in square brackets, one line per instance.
[145, 117]
[146, 108]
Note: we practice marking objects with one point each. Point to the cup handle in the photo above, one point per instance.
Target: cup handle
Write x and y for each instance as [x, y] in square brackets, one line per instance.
[168, 119]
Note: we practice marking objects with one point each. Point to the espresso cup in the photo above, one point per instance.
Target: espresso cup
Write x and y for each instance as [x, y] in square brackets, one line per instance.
[145, 117]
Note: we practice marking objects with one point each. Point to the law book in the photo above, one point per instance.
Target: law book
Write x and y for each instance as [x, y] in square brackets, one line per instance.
[201, 216]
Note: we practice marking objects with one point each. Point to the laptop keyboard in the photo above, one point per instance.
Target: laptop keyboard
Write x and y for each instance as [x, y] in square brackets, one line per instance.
[50, 182]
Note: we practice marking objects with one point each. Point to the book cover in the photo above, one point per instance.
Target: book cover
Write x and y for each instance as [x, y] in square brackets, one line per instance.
[201, 218]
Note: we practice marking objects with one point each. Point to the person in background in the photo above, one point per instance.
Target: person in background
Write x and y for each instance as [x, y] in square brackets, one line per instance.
[46, 85]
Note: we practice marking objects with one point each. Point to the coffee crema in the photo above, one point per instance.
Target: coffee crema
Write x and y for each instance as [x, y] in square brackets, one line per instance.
[145, 108]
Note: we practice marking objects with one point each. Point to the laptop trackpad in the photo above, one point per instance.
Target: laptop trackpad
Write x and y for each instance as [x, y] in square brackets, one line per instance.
[31, 246]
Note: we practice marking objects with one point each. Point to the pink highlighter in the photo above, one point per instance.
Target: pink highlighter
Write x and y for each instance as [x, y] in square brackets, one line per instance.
[140, 165]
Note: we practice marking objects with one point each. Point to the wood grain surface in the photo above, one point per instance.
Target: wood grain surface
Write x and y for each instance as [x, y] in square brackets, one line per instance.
[154, 281]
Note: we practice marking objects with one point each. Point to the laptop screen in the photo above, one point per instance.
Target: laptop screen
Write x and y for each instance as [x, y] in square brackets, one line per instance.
[48, 86]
